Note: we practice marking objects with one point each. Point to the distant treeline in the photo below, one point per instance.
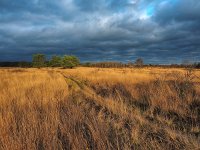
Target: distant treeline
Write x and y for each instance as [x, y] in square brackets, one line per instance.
[69, 61]
[16, 64]
[100, 65]
[39, 61]
[129, 65]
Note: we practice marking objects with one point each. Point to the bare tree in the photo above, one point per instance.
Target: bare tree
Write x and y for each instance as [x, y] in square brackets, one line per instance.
[139, 62]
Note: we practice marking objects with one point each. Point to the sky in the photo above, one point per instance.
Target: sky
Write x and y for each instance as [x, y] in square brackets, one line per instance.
[159, 31]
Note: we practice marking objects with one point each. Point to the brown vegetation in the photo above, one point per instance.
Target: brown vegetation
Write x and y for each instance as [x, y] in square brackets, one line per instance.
[95, 108]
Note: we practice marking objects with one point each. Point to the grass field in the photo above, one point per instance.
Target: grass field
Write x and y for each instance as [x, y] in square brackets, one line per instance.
[95, 108]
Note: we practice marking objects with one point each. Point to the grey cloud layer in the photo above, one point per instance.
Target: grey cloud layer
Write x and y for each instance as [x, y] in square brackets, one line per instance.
[101, 30]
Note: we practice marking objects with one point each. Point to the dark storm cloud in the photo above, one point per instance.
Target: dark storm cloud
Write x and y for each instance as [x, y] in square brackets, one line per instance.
[178, 11]
[160, 31]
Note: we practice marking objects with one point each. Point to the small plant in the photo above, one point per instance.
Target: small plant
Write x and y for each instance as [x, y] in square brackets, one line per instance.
[189, 75]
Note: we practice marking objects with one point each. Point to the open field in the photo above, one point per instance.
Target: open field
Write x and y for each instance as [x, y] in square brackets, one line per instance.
[95, 108]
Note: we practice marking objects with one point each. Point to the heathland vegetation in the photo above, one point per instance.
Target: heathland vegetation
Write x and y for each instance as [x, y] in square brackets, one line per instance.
[99, 108]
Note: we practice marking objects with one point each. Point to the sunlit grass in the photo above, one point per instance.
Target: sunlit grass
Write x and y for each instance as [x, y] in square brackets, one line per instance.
[95, 108]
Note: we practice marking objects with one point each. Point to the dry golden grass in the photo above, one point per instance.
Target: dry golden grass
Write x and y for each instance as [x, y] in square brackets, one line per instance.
[94, 108]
